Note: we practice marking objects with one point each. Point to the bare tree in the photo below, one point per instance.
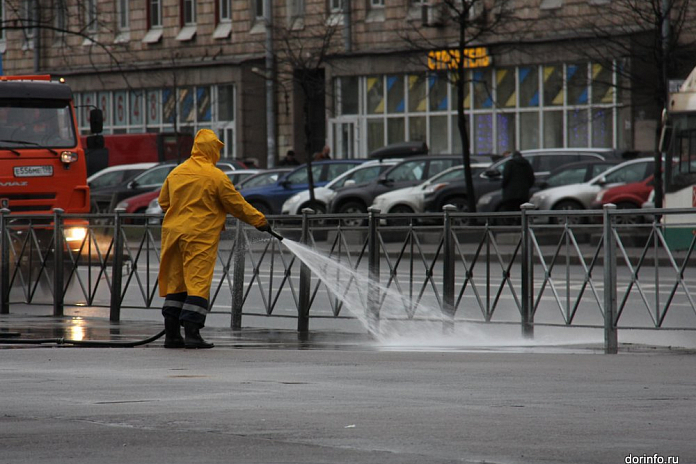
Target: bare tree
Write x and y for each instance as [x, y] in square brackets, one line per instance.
[644, 43]
[302, 46]
[473, 21]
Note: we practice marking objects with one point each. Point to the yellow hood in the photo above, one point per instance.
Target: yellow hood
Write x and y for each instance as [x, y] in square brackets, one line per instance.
[207, 146]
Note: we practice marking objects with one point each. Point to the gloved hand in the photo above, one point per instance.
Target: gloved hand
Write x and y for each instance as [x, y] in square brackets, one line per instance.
[264, 228]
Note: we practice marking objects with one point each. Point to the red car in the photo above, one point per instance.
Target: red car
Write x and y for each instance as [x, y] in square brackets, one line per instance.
[627, 196]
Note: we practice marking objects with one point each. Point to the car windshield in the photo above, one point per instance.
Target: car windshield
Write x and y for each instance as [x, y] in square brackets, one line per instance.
[259, 180]
[360, 176]
[36, 123]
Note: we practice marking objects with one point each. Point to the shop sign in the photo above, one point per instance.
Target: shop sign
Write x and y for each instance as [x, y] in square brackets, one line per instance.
[474, 57]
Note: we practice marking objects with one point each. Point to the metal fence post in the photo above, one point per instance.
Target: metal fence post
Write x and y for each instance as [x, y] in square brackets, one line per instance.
[448, 271]
[373, 292]
[527, 252]
[611, 345]
[238, 277]
[5, 265]
[305, 278]
[58, 297]
[117, 268]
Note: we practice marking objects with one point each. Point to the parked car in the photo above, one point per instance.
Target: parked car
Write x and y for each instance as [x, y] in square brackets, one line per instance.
[269, 198]
[407, 173]
[581, 196]
[411, 200]
[105, 199]
[628, 196]
[543, 162]
[264, 177]
[322, 195]
[572, 173]
[114, 175]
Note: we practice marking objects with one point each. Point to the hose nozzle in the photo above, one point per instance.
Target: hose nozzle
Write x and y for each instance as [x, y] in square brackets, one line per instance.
[275, 234]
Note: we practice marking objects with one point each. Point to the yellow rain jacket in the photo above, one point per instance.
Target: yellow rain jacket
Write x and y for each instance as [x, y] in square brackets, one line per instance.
[196, 196]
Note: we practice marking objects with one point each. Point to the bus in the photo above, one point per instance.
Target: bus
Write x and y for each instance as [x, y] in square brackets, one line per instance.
[678, 144]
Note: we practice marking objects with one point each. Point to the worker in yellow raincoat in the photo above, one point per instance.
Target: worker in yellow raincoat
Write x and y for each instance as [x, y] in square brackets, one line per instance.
[196, 197]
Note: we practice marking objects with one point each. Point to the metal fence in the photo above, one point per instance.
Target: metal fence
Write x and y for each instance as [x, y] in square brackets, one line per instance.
[599, 269]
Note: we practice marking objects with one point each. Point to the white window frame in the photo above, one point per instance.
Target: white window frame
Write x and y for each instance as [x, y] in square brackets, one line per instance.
[335, 6]
[91, 16]
[123, 15]
[3, 42]
[222, 6]
[224, 19]
[259, 5]
[155, 29]
[188, 10]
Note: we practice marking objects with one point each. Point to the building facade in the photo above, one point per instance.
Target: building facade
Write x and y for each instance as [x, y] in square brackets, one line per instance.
[272, 75]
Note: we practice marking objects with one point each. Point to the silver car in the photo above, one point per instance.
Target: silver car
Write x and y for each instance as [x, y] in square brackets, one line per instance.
[580, 196]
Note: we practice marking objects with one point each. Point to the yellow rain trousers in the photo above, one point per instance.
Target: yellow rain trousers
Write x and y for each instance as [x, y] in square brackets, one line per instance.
[196, 197]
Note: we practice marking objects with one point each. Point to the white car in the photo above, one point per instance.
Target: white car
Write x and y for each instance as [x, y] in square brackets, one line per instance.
[322, 195]
[580, 196]
[114, 175]
[412, 199]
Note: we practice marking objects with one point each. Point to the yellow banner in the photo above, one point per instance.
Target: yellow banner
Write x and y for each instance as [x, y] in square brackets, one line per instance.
[474, 57]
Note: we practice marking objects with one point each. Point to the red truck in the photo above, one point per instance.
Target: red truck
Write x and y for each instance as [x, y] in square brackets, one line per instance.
[43, 162]
[117, 149]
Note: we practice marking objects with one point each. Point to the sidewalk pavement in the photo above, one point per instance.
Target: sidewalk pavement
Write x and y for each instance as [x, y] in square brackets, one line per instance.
[265, 396]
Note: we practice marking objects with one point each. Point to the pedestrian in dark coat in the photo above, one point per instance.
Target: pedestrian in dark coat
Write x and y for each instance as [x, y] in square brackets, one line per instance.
[518, 178]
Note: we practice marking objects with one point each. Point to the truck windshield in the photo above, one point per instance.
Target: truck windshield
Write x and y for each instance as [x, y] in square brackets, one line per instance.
[31, 124]
[680, 170]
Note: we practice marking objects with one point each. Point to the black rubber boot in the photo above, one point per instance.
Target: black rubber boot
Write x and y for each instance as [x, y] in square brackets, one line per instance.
[192, 337]
[172, 335]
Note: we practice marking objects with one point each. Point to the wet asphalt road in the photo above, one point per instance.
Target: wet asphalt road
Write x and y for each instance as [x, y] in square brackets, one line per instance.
[265, 396]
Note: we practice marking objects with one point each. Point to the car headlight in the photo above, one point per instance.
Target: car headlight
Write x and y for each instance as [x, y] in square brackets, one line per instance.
[75, 234]
[153, 204]
[68, 157]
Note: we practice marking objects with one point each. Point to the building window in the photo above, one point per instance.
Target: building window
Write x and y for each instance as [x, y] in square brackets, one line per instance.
[295, 9]
[224, 19]
[91, 24]
[188, 12]
[526, 107]
[154, 22]
[123, 15]
[377, 3]
[155, 14]
[188, 20]
[224, 10]
[335, 6]
[259, 11]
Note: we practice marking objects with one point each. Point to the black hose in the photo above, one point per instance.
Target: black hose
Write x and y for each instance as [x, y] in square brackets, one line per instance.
[80, 343]
[275, 234]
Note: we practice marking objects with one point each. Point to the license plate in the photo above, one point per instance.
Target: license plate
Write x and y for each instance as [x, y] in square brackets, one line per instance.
[33, 171]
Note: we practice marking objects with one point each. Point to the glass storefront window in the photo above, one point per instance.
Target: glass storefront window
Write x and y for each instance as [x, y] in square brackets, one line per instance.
[136, 108]
[576, 77]
[375, 134]
[187, 108]
[506, 92]
[375, 95]
[395, 94]
[483, 133]
[437, 88]
[225, 103]
[417, 130]
[203, 104]
[466, 91]
[553, 85]
[438, 135]
[529, 86]
[348, 95]
[506, 132]
[416, 93]
[602, 86]
[553, 129]
[168, 106]
[483, 89]
[529, 130]
[602, 127]
[395, 130]
[578, 130]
